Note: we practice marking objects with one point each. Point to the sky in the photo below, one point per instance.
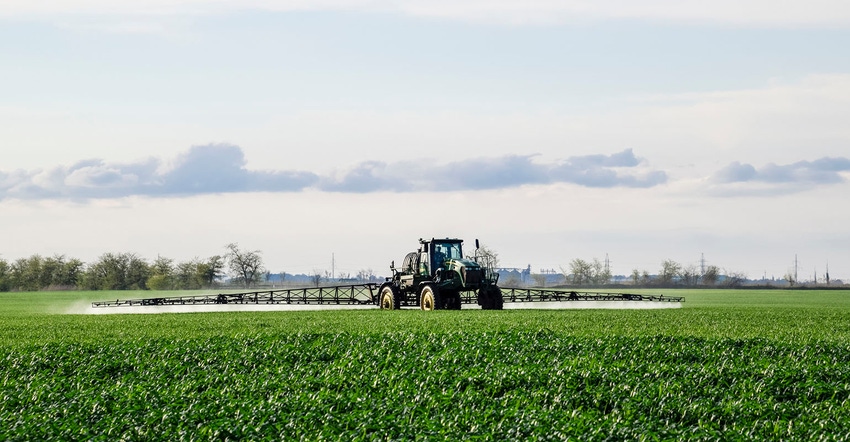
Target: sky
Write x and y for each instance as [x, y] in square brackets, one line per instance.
[332, 135]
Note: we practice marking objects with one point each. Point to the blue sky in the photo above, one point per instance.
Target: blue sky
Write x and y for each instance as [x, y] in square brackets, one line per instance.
[550, 130]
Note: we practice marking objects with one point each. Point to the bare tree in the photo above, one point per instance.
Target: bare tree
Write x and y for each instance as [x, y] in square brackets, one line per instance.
[316, 277]
[790, 278]
[690, 275]
[365, 275]
[669, 270]
[712, 273]
[600, 274]
[635, 276]
[734, 279]
[580, 272]
[247, 266]
[486, 257]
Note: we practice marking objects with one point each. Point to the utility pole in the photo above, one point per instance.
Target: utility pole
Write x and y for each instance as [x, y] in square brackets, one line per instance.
[795, 269]
[702, 264]
[333, 265]
[827, 273]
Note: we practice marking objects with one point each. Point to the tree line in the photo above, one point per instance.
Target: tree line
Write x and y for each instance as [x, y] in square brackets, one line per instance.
[671, 273]
[128, 271]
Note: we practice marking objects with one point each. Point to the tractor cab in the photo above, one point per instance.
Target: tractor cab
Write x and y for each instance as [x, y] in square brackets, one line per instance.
[434, 254]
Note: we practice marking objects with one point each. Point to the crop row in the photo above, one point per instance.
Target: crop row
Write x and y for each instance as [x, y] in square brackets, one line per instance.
[796, 326]
[506, 386]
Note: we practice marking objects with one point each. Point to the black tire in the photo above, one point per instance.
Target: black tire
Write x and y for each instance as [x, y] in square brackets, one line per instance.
[491, 299]
[388, 300]
[429, 298]
[498, 299]
[483, 299]
[453, 301]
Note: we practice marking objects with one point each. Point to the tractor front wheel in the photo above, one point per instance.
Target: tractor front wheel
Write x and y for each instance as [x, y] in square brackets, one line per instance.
[388, 299]
[428, 298]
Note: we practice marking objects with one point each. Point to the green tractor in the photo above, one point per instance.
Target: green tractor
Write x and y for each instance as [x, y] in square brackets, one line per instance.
[438, 277]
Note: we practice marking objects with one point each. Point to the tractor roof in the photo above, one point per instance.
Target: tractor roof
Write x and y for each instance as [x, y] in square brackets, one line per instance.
[440, 240]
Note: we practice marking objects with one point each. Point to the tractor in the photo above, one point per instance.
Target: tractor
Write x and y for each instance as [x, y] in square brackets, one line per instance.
[438, 276]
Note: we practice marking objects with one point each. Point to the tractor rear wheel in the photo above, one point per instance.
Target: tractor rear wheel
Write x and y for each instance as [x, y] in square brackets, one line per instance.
[388, 299]
[429, 298]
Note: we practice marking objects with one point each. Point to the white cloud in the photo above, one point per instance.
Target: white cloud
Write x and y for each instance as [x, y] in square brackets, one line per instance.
[94, 176]
[220, 168]
[736, 12]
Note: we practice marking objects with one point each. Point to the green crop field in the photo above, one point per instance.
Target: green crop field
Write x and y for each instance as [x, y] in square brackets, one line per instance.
[770, 364]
